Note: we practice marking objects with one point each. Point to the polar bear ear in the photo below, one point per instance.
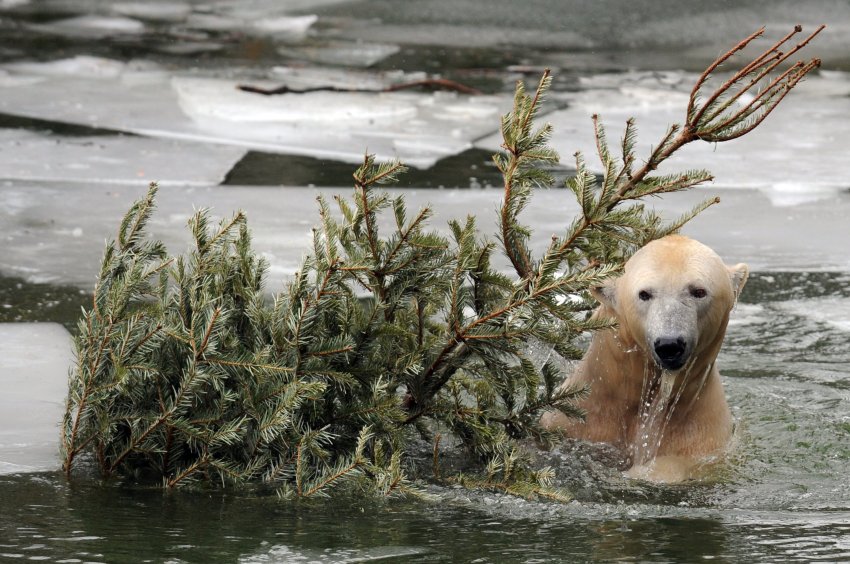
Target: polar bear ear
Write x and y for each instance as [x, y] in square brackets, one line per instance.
[606, 293]
[738, 275]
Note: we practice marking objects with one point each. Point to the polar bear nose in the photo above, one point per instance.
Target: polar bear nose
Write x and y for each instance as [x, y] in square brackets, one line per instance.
[670, 352]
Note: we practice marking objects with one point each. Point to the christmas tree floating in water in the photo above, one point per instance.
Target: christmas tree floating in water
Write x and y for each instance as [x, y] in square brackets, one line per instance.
[185, 372]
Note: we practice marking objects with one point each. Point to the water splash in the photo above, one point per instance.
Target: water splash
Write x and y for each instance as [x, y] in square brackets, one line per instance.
[655, 395]
[660, 395]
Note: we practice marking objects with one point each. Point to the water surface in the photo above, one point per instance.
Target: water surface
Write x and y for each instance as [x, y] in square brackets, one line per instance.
[70, 173]
[784, 496]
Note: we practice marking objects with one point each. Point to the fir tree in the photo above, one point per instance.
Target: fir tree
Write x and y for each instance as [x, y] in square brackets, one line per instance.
[185, 372]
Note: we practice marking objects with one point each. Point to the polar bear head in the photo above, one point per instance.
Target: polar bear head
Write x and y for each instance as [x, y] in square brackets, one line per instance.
[673, 301]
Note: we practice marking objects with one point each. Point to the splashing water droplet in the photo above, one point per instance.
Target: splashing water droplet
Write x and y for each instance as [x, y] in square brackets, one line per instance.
[659, 397]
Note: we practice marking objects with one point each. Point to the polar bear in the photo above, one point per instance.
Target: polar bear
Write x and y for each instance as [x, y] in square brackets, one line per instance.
[654, 388]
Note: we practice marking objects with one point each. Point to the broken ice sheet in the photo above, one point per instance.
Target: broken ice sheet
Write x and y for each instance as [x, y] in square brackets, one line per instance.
[342, 53]
[153, 11]
[114, 159]
[128, 16]
[474, 35]
[257, 8]
[207, 100]
[34, 361]
[419, 128]
[80, 66]
[795, 156]
[188, 48]
[7, 79]
[138, 97]
[289, 26]
[280, 27]
[92, 26]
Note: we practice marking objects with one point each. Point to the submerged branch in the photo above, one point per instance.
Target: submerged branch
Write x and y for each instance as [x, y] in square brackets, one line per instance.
[429, 83]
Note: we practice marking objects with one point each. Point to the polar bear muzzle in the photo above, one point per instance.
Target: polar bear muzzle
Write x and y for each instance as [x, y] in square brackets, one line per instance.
[670, 352]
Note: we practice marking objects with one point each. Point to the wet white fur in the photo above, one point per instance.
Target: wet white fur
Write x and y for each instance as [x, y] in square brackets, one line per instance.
[668, 423]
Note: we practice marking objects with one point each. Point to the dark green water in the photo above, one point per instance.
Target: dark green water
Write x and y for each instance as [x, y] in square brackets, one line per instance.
[22, 301]
[46, 518]
[785, 496]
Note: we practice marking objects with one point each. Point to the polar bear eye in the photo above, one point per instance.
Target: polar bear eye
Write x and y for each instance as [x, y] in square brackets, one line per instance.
[644, 296]
[698, 292]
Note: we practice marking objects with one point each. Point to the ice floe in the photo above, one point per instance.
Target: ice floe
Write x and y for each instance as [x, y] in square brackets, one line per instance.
[190, 47]
[280, 27]
[342, 53]
[303, 78]
[153, 11]
[794, 157]
[209, 100]
[478, 35]
[138, 97]
[292, 26]
[80, 66]
[112, 159]
[12, 80]
[34, 361]
[92, 26]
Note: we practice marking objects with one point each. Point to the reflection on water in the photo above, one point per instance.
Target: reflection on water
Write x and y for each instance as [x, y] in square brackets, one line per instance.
[785, 498]
[45, 518]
